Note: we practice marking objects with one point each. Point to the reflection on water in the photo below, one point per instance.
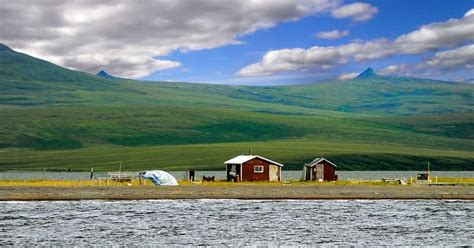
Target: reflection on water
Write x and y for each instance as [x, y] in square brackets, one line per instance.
[237, 222]
[287, 175]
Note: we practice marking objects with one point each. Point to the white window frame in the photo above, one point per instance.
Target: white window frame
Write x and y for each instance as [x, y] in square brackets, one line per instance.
[258, 166]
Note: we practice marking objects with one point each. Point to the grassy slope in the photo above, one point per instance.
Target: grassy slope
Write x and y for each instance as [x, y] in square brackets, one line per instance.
[26, 81]
[48, 107]
[160, 137]
[292, 152]
[376, 95]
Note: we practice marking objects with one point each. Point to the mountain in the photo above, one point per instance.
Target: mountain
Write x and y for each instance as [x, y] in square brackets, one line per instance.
[103, 74]
[369, 72]
[53, 117]
[3, 47]
[25, 78]
[22, 67]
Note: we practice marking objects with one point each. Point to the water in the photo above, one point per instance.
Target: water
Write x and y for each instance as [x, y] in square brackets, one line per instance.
[237, 222]
[287, 175]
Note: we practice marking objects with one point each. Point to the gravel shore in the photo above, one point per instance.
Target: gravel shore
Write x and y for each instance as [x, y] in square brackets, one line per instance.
[26, 193]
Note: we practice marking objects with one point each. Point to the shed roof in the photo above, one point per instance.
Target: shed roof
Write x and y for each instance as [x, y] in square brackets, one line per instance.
[319, 160]
[244, 158]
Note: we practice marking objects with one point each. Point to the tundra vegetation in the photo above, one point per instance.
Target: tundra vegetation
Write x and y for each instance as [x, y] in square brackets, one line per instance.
[58, 119]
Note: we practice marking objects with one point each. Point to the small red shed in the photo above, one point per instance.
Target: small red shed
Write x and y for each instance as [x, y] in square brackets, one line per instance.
[252, 168]
[319, 169]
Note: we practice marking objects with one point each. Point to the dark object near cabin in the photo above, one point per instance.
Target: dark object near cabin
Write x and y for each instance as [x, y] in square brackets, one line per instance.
[208, 179]
[319, 169]
[191, 175]
[122, 180]
[422, 177]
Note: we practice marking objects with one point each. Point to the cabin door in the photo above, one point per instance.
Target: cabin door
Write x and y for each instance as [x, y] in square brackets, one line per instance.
[319, 172]
[273, 172]
[308, 171]
[234, 171]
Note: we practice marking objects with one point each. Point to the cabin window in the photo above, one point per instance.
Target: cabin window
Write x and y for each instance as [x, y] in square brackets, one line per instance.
[258, 169]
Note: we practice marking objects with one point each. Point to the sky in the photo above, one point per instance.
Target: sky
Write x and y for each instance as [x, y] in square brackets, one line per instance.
[247, 42]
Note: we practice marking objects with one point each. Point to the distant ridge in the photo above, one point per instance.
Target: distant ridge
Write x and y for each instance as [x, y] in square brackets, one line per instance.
[19, 68]
[25, 80]
[369, 72]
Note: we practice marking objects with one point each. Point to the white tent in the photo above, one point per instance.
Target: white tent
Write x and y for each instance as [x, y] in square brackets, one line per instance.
[159, 177]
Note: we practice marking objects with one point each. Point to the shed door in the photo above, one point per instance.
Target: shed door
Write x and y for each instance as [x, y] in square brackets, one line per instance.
[273, 172]
[319, 172]
[308, 171]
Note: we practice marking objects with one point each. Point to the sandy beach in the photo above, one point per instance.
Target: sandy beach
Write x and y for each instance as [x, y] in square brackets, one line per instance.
[310, 192]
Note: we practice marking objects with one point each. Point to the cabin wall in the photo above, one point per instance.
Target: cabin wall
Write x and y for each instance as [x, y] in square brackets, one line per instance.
[329, 172]
[250, 175]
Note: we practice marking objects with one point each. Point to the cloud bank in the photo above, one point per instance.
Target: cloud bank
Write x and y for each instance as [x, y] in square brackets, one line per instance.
[461, 58]
[431, 37]
[347, 76]
[129, 38]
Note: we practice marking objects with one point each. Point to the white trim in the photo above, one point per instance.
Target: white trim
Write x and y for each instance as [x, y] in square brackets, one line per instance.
[245, 158]
[258, 171]
[241, 175]
[319, 160]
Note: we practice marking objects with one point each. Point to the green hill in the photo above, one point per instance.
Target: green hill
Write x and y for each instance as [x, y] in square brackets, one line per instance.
[59, 118]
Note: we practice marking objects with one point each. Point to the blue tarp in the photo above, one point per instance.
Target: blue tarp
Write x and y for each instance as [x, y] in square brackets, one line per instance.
[159, 177]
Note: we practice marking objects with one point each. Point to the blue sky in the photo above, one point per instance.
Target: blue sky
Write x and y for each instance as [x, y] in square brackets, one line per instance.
[395, 17]
[253, 42]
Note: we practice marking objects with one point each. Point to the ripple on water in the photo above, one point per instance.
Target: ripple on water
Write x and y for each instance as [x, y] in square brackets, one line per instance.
[236, 222]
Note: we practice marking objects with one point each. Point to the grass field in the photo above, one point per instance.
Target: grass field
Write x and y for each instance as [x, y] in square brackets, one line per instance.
[293, 153]
[56, 118]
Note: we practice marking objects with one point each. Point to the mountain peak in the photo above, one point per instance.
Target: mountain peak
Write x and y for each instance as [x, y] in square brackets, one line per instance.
[4, 47]
[369, 72]
[103, 73]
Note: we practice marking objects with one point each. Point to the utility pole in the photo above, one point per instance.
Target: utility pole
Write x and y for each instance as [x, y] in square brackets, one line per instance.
[120, 169]
[429, 176]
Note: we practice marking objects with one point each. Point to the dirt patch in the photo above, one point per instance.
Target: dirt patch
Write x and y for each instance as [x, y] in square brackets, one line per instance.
[238, 192]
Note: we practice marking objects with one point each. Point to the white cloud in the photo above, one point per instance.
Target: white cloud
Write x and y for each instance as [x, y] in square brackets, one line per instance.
[126, 37]
[293, 59]
[430, 37]
[454, 59]
[392, 69]
[347, 76]
[453, 32]
[470, 12]
[358, 12]
[333, 34]
[322, 58]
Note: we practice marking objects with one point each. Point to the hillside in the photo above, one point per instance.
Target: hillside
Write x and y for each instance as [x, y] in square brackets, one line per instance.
[372, 94]
[30, 81]
[371, 122]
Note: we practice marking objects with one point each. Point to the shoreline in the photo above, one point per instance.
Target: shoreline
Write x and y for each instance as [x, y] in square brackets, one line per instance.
[242, 192]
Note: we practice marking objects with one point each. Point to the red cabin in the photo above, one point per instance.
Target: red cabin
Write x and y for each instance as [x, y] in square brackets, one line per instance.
[319, 169]
[252, 168]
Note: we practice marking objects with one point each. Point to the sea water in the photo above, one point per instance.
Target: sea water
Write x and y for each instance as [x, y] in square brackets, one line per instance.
[237, 223]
